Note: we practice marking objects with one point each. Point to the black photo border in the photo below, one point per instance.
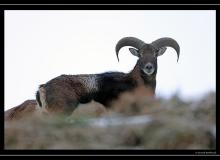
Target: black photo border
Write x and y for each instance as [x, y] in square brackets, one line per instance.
[4, 7]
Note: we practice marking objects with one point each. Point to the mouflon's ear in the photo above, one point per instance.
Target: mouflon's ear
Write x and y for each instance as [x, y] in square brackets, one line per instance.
[134, 52]
[161, 51]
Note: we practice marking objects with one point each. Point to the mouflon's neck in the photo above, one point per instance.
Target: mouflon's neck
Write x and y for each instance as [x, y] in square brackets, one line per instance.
[143, 79]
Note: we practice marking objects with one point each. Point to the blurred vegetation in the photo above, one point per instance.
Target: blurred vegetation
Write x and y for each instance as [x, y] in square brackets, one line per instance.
[175, 124]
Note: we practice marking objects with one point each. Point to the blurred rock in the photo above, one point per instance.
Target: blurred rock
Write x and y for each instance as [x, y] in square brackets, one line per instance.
[25, 109]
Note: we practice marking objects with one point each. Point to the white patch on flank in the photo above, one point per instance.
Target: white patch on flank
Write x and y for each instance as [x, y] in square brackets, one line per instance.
[90, 82]
[43, 100]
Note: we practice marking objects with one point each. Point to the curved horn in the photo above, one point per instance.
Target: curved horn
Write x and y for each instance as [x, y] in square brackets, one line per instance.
[129, 41]
[167, 42]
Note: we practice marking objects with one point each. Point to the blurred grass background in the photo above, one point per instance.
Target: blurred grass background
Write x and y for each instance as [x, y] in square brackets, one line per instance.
[173, 124]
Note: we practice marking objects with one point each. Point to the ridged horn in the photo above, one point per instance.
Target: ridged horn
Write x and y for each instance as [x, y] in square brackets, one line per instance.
[129, 41]
[167, 42]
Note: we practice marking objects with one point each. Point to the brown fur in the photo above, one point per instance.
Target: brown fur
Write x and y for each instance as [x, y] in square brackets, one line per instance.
[63, 96]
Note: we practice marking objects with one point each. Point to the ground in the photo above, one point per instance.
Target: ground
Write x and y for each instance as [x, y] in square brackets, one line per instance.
[133, 122]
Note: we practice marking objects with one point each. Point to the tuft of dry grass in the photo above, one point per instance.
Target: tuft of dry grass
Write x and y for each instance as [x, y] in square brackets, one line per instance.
[174, 124]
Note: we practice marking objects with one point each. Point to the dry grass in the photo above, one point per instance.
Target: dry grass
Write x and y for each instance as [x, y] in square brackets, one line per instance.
[174, 124]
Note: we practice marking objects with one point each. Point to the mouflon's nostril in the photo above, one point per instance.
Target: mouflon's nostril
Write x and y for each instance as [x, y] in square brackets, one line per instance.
[149, 66]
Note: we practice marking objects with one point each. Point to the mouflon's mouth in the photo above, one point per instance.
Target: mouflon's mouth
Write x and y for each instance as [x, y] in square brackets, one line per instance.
[148, 71]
